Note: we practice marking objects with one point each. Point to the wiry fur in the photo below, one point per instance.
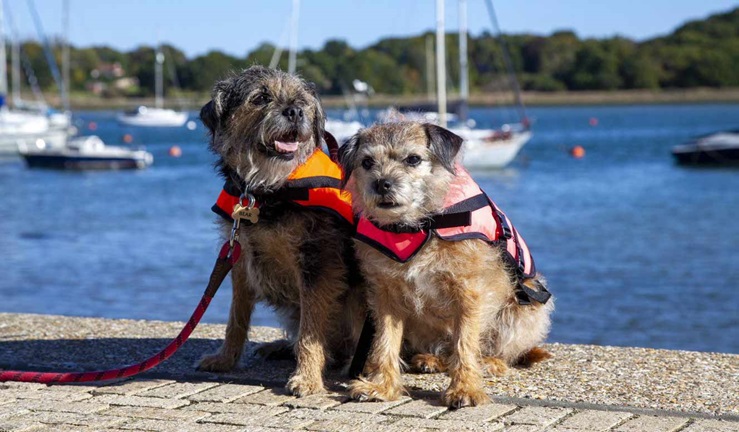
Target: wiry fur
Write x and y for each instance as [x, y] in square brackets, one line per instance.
[297, 263]
[450, 308]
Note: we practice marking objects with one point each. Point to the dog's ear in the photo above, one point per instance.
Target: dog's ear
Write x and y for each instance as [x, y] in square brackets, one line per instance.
[210, 116]
[444, 144]
[347, 156]
[213, 112]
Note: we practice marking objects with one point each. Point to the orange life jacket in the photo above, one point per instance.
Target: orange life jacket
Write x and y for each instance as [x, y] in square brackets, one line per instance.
[315, 184]
[468, 214]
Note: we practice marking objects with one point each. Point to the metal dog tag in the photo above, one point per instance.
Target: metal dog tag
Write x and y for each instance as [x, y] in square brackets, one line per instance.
[246, 213]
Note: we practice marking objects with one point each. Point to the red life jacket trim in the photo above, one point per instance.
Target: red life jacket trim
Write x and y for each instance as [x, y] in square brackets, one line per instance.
[407, 244]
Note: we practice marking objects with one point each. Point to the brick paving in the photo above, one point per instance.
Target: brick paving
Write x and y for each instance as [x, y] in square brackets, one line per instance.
[167, 405]
[577, 391]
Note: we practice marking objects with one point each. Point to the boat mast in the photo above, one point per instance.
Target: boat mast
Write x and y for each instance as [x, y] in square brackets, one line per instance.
[430, 68]
[158, 79]
[291, 62]
[464, 85]
[508, 63]
[65, 56]
[440, 63]
[3, 59]
[15, 61]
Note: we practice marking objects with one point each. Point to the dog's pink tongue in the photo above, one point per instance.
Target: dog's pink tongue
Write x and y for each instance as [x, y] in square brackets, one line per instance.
[286, 147]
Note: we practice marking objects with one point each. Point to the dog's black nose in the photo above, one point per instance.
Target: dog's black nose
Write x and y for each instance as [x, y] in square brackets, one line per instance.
[383, 186]
[293, 113]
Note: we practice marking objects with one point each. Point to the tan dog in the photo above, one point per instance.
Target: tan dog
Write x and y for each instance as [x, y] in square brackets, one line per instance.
[264, 125]
[456, 304]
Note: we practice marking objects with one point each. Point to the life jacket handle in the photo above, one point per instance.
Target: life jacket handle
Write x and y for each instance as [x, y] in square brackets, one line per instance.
[332, 145]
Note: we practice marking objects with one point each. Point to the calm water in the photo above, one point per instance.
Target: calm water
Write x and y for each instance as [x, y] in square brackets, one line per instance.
[638, 251]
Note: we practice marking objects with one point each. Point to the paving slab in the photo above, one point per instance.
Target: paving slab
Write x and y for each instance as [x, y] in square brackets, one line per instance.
[583, 388]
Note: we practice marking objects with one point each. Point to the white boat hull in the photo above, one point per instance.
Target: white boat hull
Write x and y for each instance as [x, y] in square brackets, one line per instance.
[52, 138]
[482, 153]
[342, 130]
[153, 117]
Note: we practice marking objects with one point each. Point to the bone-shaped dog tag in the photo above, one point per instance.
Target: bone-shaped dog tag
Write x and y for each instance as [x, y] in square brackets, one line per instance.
[246, 213]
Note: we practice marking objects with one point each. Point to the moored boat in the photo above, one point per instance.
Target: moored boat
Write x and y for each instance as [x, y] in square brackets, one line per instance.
[718, 148]
[154, 117]
[85, 153]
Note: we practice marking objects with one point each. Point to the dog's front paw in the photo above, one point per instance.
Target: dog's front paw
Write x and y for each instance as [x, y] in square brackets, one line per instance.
[367, 391]
[461, 396]
[427, 363]
[300, 386]
[218, 362]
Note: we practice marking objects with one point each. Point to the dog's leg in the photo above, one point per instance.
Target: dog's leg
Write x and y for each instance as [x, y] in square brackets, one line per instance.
[237, 329]
[383, 380]
[316, 313]
[464, 367]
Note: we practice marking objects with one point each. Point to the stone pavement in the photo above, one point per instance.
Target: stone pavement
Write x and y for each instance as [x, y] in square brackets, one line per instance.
[583, 388]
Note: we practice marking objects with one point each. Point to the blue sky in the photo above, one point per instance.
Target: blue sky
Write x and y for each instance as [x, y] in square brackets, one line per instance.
[237, 26]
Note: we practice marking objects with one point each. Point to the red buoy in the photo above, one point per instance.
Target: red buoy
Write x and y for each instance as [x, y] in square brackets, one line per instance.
[593, 121]
[92, 126]
[128, 138]
[577, 152]
[175, 151]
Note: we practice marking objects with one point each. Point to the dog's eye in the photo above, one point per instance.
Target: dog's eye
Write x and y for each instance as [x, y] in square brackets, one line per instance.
[368, 163]
[413, 160]
[261, 99]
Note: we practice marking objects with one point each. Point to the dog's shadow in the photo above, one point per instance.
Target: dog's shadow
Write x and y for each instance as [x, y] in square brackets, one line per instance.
[86, 355]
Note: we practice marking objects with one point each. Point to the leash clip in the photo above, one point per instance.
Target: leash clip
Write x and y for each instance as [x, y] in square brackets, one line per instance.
[252, 201]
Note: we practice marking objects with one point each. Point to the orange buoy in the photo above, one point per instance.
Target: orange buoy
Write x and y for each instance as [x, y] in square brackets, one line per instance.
[175, 151]
[128, 138]
[92, 126]
[577, 152]
[593, 121]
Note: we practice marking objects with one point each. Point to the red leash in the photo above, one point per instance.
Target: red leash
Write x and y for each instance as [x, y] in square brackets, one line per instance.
[226, 258]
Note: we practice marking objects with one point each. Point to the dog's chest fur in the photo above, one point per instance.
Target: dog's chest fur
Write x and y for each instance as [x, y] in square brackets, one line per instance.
[422, 284]
[281, 257]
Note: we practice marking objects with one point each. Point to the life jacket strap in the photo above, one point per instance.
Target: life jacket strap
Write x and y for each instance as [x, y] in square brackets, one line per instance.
[457, 215]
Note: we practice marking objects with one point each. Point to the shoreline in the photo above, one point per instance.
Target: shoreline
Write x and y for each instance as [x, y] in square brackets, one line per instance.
[567, 98]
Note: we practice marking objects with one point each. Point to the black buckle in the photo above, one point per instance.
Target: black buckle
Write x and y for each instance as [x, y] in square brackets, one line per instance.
[525, 295]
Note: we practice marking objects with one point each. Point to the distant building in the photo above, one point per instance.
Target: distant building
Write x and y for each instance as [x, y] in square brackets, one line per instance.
[110, 79]
[108, 71]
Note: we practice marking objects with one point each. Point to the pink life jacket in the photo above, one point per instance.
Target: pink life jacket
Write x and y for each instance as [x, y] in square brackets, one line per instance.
[468, 214]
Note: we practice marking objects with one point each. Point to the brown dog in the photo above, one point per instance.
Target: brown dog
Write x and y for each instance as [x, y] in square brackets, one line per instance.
[457, 302]
[265, 125]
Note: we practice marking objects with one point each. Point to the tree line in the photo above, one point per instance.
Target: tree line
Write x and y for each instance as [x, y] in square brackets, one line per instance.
[701, 53]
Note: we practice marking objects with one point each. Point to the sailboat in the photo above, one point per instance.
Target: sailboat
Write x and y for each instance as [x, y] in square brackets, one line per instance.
[22, 127]
[158, 116]
[341, 129]
[82, 152]
[483, 148]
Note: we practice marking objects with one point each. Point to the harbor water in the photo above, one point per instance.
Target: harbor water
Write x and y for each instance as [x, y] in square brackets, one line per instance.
[637, 250]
